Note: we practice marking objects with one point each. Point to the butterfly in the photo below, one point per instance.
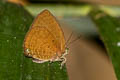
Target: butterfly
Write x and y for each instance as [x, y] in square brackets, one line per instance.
[45, 40]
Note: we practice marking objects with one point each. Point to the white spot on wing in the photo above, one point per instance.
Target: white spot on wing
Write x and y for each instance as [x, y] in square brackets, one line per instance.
[27, 51]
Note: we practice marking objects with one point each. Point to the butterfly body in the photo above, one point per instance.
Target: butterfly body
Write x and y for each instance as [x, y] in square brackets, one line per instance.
[45, 39]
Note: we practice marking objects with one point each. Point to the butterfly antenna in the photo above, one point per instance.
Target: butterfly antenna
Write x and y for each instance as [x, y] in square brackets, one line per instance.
[73, 40]
[69, 38]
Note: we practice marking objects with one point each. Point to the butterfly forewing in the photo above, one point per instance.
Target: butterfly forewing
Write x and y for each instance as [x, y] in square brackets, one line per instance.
[48, 20]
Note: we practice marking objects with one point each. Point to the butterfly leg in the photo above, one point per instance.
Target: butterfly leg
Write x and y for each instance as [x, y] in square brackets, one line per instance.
[63, 62]
[66, 52]
[63, 59]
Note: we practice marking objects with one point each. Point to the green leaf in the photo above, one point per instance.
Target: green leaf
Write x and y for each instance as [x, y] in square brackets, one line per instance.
[109, 29]
[14, 23]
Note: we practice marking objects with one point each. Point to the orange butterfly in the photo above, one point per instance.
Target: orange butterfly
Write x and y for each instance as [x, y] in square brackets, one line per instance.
[45, 40]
